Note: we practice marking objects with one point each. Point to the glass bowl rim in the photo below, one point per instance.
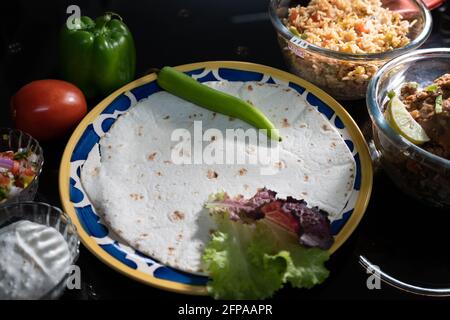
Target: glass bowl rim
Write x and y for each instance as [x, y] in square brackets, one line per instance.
[378, 118]
[414, 44]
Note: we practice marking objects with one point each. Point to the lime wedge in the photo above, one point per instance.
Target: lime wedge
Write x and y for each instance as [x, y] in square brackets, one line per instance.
[402, 122]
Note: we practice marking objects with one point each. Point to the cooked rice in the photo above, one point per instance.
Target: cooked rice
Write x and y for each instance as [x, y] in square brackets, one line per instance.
[352, 26]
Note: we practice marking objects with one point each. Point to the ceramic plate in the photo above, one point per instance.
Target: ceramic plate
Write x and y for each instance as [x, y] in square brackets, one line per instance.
[108, 248]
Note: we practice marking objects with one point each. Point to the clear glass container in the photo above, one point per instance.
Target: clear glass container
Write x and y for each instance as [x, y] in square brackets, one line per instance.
[326, 68]
[13, 140]
[414, 170]
[47, 215]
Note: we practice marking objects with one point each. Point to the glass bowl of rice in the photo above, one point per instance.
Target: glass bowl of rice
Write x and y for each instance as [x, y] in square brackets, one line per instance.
[340, 44]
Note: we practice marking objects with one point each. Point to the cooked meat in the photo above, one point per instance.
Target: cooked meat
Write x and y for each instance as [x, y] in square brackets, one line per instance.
[444, 83]
[409, 89]
[423, 107]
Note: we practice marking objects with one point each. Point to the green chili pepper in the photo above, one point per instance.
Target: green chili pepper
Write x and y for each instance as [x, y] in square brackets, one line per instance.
[438, 104]
[3, 193]
[295, 31]
[432, 88]
[391, 94]
[21, 155]
[187, 88]
[97, 56]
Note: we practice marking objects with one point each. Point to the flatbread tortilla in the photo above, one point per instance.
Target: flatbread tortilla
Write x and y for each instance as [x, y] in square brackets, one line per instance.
[157, 206]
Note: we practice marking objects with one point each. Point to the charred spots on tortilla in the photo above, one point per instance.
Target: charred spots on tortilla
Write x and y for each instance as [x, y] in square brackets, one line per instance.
[326, 127]
[305, 178]
[285, 123]
[211, 174]
[302, 125]
[171, 251]
[159, 173]
[286, 109]
[250, 87]
[109, 146]
[246, 186]
[280, 164]
[304, 193]
[310, 109]
[214, 114]
[231, 119]
[167, 162]
[140, 131]
[242, 172]
[330, 160]
[287, 90]
[333, 144]
[95, 172]
[152, 156]
[179, 237]
[176, 216]
[213, 138]
[166, 117]
[136, 196]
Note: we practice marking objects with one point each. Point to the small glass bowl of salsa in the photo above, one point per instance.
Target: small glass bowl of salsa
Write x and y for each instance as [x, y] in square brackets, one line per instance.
[21, 160]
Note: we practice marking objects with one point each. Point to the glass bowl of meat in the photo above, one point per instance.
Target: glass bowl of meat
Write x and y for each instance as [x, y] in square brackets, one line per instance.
[409, 103]
[339, 45]
[21, 160]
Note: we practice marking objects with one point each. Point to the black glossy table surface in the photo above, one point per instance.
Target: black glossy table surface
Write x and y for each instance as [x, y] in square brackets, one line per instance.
[403, 237]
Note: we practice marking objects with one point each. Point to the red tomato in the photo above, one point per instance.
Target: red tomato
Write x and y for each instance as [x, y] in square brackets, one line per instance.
[48, 109]
[293, 16]
[4, 181]
[16, 168]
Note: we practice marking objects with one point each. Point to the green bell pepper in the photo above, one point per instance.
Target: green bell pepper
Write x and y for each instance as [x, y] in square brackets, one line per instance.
[97, 56]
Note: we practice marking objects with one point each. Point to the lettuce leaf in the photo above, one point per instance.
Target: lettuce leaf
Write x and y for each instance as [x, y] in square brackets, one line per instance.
[253, 261]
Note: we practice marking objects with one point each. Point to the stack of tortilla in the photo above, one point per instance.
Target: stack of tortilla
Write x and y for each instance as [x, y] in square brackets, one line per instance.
[155, 204]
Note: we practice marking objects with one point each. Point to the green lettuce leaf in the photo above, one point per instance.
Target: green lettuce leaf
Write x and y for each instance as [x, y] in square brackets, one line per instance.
[253, 261]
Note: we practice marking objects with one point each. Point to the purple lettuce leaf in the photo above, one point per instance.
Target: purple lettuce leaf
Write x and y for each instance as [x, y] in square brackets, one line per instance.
[311, 225]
